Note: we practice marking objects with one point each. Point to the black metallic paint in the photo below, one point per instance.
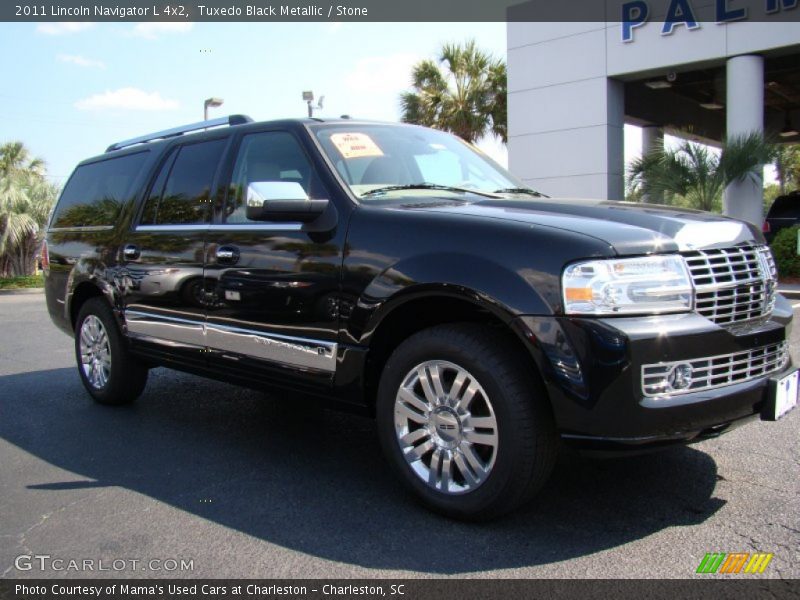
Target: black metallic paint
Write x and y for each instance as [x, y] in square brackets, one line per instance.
[360, 262]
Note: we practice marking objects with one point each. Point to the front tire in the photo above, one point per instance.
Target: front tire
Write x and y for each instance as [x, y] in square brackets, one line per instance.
[464, 423]
[108, 371]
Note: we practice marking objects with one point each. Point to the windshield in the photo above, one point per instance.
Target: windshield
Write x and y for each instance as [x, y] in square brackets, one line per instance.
[383, 161]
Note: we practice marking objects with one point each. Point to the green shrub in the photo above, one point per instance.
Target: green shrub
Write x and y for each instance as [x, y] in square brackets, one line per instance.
[784, 248]
[23, 281]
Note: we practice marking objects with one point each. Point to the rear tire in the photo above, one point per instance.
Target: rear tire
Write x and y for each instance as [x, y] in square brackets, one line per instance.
[464, 423]
[107, 369]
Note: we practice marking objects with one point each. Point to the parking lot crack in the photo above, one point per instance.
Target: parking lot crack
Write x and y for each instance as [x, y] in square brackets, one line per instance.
[792, 529]
[22, 537]
[760, 485]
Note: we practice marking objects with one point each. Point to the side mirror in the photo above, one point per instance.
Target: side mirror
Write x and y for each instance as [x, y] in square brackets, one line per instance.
[282, 201]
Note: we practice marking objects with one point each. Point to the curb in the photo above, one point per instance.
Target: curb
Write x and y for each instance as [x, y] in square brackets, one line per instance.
[22, 292]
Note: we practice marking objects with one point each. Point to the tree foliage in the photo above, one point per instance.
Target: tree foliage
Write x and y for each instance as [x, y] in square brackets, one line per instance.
[787, 167]
[463, 91]
[26, 198]
[696, 173]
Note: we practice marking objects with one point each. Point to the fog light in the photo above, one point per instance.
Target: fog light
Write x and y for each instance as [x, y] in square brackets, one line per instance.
[680, 376]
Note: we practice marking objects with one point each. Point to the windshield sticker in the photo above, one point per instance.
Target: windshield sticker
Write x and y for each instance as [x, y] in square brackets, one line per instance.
[355, 145]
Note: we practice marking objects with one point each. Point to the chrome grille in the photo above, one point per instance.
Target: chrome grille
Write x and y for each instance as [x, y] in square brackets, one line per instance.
[733, 284]
[715, 371]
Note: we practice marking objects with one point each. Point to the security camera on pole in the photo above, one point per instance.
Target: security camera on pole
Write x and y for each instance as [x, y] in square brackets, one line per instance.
[308, 98]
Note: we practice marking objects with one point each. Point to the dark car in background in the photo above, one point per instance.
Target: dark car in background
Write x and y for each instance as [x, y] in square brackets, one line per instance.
[784, 213]
[395, 270]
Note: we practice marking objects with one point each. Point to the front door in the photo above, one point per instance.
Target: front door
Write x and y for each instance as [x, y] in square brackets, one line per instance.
[277, 284]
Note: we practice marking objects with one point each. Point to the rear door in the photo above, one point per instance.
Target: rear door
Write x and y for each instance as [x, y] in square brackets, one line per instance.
[162, 276]
[276, 313]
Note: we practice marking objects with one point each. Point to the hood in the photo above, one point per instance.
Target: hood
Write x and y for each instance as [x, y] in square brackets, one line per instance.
[630, 228]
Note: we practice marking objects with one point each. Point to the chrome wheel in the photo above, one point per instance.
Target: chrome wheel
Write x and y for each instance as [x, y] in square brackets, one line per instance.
[95, 352]
[446, 427]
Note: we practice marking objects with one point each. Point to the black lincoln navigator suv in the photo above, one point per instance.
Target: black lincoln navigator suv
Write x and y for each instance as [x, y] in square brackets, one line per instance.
[395, 270]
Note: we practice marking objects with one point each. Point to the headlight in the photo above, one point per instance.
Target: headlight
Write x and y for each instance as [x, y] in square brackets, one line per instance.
[650, 284]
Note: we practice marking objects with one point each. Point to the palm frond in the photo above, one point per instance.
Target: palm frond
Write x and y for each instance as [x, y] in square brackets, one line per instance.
[661, 171]
[698, 173]
[745, 156]
[16, 158]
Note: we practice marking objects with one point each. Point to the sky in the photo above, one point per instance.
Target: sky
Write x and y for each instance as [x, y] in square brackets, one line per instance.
[74, 88]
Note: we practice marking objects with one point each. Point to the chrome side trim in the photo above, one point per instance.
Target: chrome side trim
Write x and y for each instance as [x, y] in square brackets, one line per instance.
[164, 329]
[222, 227]
[82, 228]
[201, 227]
[293, 351]
[167, 343]
[256, 227]
[287, 350]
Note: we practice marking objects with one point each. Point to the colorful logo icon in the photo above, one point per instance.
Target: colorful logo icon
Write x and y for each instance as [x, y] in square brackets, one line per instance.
[737, 562]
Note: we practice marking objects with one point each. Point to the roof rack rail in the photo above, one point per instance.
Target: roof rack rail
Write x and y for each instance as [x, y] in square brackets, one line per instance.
[176, 131]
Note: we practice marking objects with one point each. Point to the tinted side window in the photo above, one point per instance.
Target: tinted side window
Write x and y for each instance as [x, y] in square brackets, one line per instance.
[185, 195]
[269, 156]
[96, 193]
[151, 206]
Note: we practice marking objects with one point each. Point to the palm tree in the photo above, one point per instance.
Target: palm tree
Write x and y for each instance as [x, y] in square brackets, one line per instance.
[466, 96]
[16, 158]
[26, 198]
[23, 212]
[693, 171]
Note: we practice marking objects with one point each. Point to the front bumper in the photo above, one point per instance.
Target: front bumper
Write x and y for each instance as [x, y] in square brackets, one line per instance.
[592, 369]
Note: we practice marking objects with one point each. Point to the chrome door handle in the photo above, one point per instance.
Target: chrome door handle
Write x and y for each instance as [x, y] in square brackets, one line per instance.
[227, 255]
[131, 252]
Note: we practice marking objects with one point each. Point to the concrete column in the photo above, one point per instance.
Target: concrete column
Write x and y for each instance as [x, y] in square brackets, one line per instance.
[565, 115]
[564, 146]
[652, 139]
[615, 144]
[745, 114]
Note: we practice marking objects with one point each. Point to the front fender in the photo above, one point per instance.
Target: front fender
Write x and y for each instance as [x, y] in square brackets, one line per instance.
[483, 282]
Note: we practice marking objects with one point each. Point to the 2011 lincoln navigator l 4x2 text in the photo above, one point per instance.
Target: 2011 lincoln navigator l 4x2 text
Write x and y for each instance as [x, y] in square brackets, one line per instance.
[395, 270]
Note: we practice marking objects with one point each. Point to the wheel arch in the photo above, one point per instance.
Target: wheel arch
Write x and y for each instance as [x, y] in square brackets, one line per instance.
[83, 291]
[428, 306]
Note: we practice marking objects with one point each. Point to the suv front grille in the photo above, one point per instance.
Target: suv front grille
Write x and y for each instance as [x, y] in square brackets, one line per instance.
[714, 371]
[733, 284]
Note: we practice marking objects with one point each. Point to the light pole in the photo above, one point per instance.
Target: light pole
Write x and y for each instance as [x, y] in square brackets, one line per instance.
[213, 102]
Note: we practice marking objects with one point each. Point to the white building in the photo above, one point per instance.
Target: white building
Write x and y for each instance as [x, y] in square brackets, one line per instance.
[572, 87]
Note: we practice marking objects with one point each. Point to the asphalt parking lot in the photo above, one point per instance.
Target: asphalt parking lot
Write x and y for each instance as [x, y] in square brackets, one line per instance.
[243, 485]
